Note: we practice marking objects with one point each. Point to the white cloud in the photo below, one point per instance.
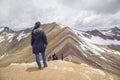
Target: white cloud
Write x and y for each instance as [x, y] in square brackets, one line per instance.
[83, 14]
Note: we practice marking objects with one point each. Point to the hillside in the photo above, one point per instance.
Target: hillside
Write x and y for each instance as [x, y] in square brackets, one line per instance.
[97, 48]
[57, 70]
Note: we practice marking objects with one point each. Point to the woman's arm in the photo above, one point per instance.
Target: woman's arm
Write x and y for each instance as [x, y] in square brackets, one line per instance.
[45, 38]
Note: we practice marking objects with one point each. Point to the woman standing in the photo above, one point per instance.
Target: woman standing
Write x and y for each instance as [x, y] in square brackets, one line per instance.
[39, 44]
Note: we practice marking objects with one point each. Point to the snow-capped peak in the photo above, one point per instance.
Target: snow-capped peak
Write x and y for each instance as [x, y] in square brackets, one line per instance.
[1, 29]
[6, 29]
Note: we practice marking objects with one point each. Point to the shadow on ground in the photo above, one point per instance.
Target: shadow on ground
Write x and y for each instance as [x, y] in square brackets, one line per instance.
[32, 69]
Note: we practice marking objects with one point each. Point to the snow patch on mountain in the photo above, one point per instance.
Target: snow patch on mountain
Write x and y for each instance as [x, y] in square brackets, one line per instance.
[22, 35]
[101, 41]
[1, 29]
[107, 33]
[83, 46]
[103, 58]
[6, 35]
[91, 44]
[116, 52]
[87, 45]
[2, 56]
[1, 39]
[93, 48]
[10, 36]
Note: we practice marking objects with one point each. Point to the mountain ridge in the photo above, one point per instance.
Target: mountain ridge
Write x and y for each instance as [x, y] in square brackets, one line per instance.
[65, 41]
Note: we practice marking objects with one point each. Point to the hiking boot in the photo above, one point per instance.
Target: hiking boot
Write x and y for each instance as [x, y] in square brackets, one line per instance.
[39, 67]
[45, 66]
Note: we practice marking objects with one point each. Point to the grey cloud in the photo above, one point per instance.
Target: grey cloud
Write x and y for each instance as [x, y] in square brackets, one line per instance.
[83, 14]
[102, 22]
[21, 14]
[98, 6]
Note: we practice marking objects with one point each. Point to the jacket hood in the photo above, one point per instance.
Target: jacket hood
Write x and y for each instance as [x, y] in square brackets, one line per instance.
[36, 31]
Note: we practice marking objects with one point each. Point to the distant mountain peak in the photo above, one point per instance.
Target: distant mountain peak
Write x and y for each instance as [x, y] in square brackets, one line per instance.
[7, 29]
[115, 30]
[94, 32]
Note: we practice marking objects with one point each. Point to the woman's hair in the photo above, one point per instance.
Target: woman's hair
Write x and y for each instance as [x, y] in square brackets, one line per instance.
[37, 24]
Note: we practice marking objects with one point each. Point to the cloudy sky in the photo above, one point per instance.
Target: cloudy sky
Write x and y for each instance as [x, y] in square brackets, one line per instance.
[80, 14]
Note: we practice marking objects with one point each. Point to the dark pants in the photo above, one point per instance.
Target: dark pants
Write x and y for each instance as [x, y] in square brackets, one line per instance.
[38, 59]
